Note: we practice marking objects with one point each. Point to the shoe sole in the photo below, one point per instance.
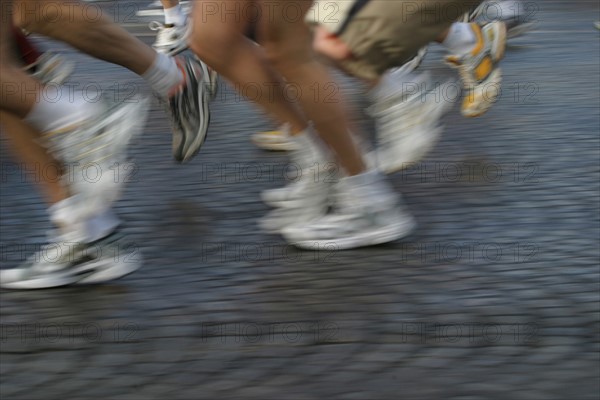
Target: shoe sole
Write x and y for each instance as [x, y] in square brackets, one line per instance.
[499, 45]
[204, 89]
[273, 146]
[214, 84]
[189, 150]
[484, 105]
[365, 239]
[98, 271]
[110, 271]
[47, 282]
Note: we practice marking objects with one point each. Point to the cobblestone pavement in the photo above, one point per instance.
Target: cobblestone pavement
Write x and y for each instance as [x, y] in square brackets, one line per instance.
[494, 297]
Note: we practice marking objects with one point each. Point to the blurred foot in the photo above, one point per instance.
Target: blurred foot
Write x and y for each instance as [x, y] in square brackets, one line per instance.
[366, 212]
[99, 144]
[479, 69]
[407, 122]
[67, 263]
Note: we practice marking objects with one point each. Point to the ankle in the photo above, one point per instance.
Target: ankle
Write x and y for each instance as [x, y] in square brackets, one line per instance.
[76, 223]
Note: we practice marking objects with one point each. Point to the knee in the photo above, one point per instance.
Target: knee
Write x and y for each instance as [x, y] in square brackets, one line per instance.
[273, 53]
[214, 49]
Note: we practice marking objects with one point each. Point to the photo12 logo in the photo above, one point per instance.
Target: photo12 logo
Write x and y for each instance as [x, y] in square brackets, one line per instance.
[270, 332]
[68, 252]
[31, 333]
[468, 332]
[70, 173]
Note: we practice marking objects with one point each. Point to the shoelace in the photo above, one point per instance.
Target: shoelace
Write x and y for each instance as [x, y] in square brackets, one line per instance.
[163, 38]
[156, 26]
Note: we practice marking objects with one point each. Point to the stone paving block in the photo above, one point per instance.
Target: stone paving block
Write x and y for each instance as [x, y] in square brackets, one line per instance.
[512, 249]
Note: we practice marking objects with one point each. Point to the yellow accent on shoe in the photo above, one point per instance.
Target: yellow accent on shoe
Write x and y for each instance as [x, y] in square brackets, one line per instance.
[484, 69]
[276, 140]
[479, 70]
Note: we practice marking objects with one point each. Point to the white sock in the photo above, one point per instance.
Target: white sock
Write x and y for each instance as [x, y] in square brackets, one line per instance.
[69, 216]
[48, 115]
[460, 39]
[310, 146]
[163, 75]
[175, 16]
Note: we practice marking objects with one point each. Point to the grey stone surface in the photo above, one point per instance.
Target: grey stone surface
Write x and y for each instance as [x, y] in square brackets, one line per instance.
[495, 296]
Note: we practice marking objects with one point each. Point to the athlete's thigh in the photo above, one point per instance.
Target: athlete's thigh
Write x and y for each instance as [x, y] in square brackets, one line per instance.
[212, 18]
[282, 28]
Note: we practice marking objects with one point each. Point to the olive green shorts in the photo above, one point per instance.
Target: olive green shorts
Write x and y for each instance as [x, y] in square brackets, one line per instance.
[387, 33]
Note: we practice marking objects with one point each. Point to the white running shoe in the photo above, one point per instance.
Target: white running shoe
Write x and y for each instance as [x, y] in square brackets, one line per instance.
[479, 71]
[95, 151]
[51, 68]
[362, 216]
[188, 107]
[67, 263]
[516, 14]
[101, 137]
[408, 124]
[170, 39]
[278, 140]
